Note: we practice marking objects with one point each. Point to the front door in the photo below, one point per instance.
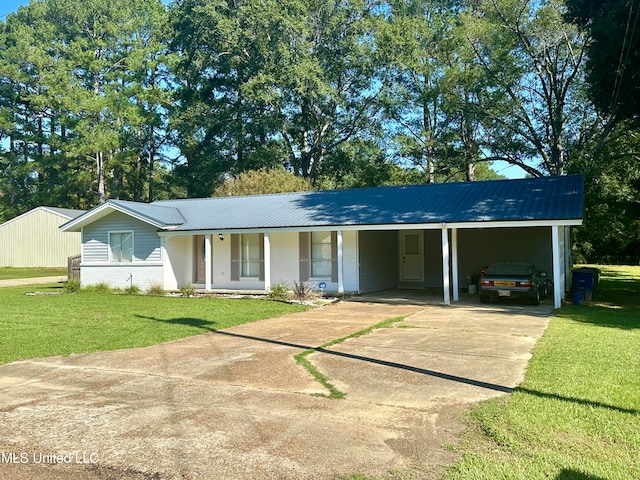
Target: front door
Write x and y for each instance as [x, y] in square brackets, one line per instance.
[198, 259]
[411, 256]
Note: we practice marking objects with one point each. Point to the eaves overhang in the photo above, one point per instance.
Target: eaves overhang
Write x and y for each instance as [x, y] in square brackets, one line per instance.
[377, 227]
[111, 206]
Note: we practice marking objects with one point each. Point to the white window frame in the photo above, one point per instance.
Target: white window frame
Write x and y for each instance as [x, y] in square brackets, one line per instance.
[133, 250]
[249, 262]
[312, 259]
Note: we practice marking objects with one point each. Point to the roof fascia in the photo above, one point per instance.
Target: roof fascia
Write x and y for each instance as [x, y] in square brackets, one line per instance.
[11, 220]
[102, 210]
[29, 212]
[391, 226]
[47, 209]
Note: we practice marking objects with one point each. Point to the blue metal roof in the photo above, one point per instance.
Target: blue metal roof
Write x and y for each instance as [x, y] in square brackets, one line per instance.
[546, 198]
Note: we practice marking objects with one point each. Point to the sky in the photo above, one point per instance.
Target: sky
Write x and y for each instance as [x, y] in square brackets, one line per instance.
[509, 171]
[9, 6]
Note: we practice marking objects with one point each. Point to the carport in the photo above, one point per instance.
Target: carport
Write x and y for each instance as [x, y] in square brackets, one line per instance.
[531, 224]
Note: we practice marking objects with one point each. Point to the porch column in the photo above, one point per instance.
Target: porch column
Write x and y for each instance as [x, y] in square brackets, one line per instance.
[445, 264]
[340, 262]
[207, 262]
[267, 262]
[568, 260]
[558, 288]
[454, 263]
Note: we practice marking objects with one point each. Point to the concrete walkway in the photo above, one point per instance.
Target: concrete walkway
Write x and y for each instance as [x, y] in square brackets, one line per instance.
[234, 404]
[14, 282]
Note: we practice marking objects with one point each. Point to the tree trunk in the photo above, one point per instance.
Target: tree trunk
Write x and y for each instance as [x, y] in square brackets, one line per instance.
[102, 196]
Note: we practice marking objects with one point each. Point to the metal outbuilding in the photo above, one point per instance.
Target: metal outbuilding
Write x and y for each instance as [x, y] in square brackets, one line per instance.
[33, 239]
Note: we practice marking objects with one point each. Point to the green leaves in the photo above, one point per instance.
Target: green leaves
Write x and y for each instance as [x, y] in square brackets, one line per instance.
[83, 82]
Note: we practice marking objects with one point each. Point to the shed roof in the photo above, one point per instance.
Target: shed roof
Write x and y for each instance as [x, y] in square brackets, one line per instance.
[67, 213]
[547, 198]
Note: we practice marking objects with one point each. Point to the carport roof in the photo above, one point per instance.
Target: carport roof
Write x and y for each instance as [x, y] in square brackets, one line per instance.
[558, 198]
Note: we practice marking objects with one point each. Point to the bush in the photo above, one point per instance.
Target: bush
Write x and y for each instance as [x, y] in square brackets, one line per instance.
[98, 288]
[132, 290]
[188, 290]
[279, 292]
[303, 291]
[72, 286]
[156, 289]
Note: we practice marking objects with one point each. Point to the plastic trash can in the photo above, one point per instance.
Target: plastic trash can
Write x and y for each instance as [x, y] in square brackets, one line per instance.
[585, 280]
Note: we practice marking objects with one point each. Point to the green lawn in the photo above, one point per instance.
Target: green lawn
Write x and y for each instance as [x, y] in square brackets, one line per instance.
[577, 413]
[44, 325]
[7, 273]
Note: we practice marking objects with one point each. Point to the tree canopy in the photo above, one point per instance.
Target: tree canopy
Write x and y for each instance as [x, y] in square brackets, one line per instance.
[140, 101]
[613, 65]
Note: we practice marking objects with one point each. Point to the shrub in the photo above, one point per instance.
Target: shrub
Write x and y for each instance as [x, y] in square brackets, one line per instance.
[98, 288]
[132, 290]
[303, 291]
[279, 292]
[188, 290]
[72, 286]
[156, 289]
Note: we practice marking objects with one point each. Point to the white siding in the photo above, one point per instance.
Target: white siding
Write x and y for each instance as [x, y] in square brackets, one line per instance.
[95, 247]
[34, 240]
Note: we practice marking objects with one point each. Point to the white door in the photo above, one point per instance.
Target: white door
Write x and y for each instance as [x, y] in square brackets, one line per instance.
[411, 256]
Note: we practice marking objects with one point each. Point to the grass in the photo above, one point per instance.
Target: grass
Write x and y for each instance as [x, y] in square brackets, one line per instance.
[7, 273]
[303, 361]
[45, 325]
[577, 413]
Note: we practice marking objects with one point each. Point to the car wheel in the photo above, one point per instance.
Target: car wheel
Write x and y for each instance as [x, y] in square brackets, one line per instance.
[536, 299]
[484, 298]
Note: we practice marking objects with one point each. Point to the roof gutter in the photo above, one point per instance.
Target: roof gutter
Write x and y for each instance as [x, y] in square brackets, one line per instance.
[392, 226]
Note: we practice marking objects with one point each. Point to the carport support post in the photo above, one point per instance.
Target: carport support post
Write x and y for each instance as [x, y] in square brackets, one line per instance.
[445, 264]
[267, 262]
[340, 262]
[207, 262]
[557, 267]
[454, 263]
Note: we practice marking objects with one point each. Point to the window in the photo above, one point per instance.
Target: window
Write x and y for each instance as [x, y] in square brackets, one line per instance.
[121, 246]
[321, 254]
[250, 254]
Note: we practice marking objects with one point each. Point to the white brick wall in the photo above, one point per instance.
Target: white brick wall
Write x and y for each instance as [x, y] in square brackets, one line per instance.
[285, 258]
[117, 275]
[350, 260]
[178, 262]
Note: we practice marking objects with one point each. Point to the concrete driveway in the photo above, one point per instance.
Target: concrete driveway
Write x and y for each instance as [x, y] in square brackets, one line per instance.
[235, 405]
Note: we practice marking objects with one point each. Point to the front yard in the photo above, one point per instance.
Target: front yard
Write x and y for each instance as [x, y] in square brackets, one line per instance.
[7, 273]
[577, 413]
[60, 324]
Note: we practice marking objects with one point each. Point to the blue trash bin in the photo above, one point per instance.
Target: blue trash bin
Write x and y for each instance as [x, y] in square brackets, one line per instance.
[585, 280]
[578, 297]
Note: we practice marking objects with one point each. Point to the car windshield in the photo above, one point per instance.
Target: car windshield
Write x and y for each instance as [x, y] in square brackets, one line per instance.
[509, 269]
